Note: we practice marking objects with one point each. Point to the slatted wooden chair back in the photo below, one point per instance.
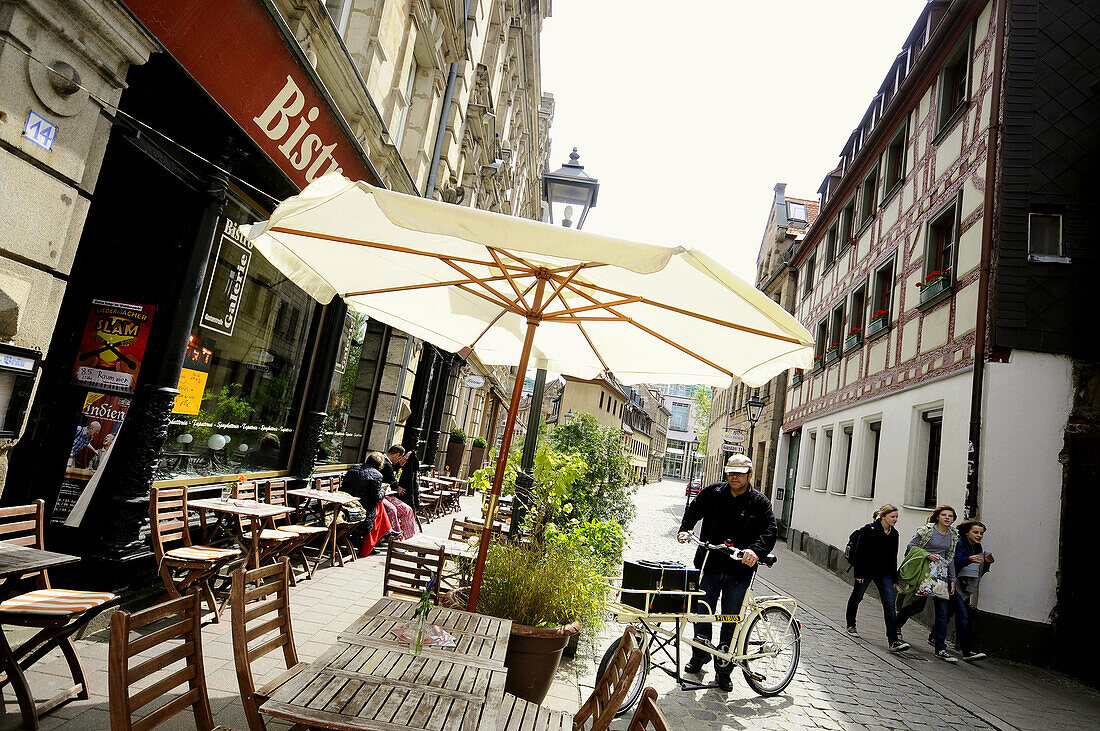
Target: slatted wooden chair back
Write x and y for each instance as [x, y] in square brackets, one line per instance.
[465, 529]
[260, 617]
[324, 484]
[158, 653]
[648, 715]
[21, 525]
[612, 686]
[337, 481]
[410, 567]
[168, 519]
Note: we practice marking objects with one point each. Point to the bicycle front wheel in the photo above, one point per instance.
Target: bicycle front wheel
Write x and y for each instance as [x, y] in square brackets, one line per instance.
[772, 643]
[634, 693]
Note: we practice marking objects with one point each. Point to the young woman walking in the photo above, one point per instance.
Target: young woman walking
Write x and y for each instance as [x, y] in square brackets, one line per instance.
[971, 563]
[939, 538]
[875, 560]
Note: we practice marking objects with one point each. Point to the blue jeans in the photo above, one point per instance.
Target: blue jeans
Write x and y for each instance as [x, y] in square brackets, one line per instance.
[962, 623]
[885, 586]
[939, 627]
[732, 590]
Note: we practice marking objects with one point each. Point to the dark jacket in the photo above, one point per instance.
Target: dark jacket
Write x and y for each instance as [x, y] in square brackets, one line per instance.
[746, 521]
[364, 483]
[876, 552]
[389, 474]
[409, 479]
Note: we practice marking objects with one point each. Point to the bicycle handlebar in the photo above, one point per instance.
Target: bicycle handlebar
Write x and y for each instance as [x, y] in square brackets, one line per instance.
[733, 552]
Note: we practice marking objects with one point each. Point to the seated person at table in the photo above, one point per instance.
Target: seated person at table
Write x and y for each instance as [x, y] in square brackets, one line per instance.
[385, 520]
[365, 483]
[402, 518]
[408, 481]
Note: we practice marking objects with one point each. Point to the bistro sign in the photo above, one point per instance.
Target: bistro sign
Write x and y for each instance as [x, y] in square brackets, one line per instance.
[277, 102]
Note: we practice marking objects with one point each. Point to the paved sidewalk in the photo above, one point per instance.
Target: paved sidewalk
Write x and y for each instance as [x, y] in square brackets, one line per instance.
[843, 682]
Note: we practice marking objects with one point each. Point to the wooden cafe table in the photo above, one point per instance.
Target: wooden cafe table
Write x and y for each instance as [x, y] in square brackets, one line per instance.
[257, 513]
[370, 681]
[327, 500]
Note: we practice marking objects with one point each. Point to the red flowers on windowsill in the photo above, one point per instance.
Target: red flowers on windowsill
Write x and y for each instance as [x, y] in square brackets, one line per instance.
[933, 277]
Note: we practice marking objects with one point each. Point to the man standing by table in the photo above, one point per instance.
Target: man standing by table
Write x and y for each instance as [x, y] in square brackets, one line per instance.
[733, 512]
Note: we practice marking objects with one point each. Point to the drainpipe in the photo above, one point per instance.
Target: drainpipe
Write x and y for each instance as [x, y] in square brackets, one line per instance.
[984, 273]
[437, 152]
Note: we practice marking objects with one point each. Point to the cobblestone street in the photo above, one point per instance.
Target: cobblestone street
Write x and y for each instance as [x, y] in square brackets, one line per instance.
[843, 682]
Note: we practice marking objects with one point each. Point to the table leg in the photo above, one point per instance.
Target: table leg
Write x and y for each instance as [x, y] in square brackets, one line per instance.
[255, 552]
[18, 683]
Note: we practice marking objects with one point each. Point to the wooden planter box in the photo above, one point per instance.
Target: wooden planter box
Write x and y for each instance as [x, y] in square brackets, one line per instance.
[819, 365]
[832, 356]
[852, 342]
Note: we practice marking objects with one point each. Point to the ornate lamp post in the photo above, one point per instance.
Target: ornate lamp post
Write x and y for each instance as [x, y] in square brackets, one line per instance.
[570, 194]
[754, 407]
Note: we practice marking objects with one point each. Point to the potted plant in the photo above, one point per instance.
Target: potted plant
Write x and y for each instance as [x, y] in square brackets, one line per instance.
[455, 448]
[477, 455]
[880, 320]
[853, 338]
[796, 377]
[832, 353]
[819, 363]
[934, 283]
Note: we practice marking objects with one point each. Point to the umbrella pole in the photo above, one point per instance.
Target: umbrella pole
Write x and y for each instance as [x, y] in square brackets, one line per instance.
[505, 445]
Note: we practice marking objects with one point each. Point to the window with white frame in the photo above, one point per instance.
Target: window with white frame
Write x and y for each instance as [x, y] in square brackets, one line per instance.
[894, 160]
[808, 275]
[846, 441]
[867, 197]
[821, 478]
[882, 293]
[339, 10]
[806, 462]
[942, 243]
[847, 230]
[1044, 237]
[830, 249]
[954, 86]
[796, 212]
[863, 484]
[406, 103]
[924, 463]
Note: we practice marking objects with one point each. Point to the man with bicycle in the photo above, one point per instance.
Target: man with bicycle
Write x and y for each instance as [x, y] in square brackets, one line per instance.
[732, 512]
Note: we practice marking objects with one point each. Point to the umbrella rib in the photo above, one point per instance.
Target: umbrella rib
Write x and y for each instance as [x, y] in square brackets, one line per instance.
[645, 329]
[503, 312]
[586, 308]
[507, 306]
[560, 286]
[409, 287]
[385, 247]
[689, 313]
[593, 346]
[580, 327]
[481, 281]
[496, 258]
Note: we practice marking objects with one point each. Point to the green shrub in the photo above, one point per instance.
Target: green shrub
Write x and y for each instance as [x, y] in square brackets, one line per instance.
[458, 436]
[542, 586]
[480, 442]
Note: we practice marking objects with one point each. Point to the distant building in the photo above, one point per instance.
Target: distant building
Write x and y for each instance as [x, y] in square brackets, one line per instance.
[682, 440]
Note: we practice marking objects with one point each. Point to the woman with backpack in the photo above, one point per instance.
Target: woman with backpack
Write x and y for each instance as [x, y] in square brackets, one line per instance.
[874, 558]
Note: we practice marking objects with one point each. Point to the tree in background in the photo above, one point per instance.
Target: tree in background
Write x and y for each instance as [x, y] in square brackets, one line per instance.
[702, 415]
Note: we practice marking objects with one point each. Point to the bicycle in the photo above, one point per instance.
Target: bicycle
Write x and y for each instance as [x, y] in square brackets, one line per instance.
[767, 638]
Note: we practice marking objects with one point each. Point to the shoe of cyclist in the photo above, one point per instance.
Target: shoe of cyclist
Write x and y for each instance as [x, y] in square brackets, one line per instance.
[694, 666]
[852, 631]
[725, 682]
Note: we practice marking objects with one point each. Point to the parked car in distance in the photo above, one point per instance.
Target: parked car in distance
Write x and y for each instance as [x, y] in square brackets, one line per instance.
[693, 487]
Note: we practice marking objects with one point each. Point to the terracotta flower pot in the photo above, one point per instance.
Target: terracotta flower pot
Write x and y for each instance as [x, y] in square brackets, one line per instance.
[533, 653]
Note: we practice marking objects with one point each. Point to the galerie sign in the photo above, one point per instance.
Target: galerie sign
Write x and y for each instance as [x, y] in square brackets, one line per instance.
[226, 280]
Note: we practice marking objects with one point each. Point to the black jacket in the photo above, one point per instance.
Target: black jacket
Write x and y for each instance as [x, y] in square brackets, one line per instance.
[409, 479]
[876, 553]
[746, 521]
[389, 474]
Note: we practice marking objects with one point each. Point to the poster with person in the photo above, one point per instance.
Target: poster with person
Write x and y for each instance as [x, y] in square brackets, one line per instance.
[100, 420]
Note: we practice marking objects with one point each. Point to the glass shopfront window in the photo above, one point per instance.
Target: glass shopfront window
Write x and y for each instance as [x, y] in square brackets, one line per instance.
[239, 390]
[336, 440]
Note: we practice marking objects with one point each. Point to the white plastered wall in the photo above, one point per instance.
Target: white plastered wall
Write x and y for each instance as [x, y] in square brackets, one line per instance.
[1027, 404]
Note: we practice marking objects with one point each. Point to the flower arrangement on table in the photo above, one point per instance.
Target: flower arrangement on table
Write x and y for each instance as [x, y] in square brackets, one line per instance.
[934, 276]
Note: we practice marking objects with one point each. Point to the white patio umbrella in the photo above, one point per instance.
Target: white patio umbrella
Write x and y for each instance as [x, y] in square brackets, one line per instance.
[470, 280]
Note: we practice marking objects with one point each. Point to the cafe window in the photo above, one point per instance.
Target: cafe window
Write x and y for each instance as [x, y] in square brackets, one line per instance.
[338, 439]
[239, 390]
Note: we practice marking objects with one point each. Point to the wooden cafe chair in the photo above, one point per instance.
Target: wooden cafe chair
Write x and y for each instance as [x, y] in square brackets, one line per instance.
[600, 708]
[183, 565]
[276, 495]
[260, 618]
[648, 715]
[409, 568]
[158, 653]
[57, 614]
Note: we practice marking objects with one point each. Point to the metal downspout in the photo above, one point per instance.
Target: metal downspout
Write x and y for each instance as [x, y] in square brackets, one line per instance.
[984, 273]
[437, 151]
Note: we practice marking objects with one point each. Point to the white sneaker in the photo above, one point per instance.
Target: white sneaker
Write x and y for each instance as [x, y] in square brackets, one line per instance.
[852, 631]
[946, 656]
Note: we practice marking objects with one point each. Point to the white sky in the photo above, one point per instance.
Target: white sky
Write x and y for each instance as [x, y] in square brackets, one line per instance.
[689, 113]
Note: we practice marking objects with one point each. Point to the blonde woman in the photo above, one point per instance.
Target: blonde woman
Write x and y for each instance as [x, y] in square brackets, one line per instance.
[875, 559]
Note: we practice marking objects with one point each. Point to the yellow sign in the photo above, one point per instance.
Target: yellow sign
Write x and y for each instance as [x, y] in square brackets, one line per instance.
[727, 618]
[191, 387]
